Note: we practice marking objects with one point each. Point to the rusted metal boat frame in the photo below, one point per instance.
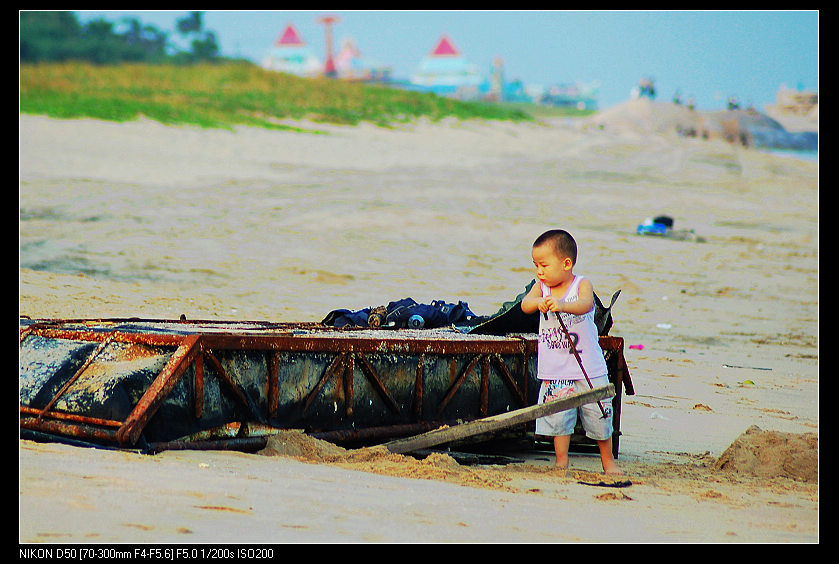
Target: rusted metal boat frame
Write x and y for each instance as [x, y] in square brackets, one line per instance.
[196, 348]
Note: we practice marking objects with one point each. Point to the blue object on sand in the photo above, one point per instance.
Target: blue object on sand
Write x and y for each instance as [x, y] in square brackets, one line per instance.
[651, 228]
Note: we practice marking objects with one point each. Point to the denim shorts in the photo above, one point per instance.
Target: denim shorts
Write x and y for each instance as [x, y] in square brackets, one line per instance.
[563, 422]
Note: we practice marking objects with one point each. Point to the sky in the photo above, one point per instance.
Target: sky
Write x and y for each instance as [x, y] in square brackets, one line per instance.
[707, 55]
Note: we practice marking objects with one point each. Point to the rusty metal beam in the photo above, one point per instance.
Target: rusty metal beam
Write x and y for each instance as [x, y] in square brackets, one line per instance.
[615, 344]
[457, 383]
[378, 433]
[508, 378]
[418, 386]
[70, 429]
[337, 363]
[349, 369]
[231, 384]
[379, 386]
[242, 444]
[199, 386]
[273, 393]
[53, 414]
[484, 395]
[154, 339]
[335, 340]
[78, 373]
[156, 393]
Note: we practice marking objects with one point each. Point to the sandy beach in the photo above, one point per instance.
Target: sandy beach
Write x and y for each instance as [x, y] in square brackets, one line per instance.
[720, 440]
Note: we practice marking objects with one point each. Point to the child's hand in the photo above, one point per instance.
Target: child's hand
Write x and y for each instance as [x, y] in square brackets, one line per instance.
[549, 303]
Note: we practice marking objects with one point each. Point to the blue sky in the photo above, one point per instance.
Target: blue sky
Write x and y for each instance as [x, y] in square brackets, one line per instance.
[709, 55]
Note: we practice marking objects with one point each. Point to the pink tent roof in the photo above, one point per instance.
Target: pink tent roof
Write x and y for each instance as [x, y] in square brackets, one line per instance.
[289, 37]
[444, 48]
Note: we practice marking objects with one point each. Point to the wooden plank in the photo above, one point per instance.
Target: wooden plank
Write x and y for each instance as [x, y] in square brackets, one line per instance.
[497, 422]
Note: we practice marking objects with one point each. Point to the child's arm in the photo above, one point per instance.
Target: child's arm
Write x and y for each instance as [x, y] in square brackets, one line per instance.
[534, 301]
[585, 299]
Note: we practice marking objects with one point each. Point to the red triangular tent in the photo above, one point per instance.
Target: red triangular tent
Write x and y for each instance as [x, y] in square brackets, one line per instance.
[289, 37]
[444, 48]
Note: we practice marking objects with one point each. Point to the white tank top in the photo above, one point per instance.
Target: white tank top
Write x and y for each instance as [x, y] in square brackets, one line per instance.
[555, 360]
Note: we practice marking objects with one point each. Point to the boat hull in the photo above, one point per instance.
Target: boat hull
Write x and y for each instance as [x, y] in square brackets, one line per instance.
[133, 383]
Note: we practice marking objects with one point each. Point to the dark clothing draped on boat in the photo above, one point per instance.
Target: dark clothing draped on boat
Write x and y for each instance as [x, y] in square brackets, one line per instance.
[508, 319]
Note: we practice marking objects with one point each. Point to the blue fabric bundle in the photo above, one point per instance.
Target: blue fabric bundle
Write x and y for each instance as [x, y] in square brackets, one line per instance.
[398, 313]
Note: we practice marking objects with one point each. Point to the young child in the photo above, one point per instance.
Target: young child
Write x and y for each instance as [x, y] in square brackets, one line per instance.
[571, 296]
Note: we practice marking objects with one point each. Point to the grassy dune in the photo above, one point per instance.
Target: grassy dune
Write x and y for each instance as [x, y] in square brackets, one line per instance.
[226, 95]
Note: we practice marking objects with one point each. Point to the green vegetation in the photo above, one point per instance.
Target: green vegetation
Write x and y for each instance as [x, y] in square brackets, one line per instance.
[120, 72]
[226, 94]
[47, 36]
[539, 111]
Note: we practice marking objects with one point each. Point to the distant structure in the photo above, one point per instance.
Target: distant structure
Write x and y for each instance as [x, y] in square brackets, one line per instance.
[329, 67]
[580, 95]
[446, 72]
[350, 65]
[290, 54]
[496, 81]
[796, 102]
[443, 71]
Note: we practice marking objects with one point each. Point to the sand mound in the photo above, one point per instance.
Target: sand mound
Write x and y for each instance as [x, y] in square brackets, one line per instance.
[296, 444]
[379, 460]
[769, 454]
[644, 116]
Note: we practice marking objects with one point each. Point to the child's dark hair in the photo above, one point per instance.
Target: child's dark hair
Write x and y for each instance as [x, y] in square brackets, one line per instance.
[561, 241]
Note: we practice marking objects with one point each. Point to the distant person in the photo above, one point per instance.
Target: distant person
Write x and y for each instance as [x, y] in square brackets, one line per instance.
[647, 88]
[561, 292]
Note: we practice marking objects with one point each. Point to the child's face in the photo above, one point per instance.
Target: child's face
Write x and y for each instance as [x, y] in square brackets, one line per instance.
[550, 267]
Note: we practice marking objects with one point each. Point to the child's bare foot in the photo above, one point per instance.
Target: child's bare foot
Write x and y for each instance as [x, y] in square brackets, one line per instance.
[561, 459]
[611, 469]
